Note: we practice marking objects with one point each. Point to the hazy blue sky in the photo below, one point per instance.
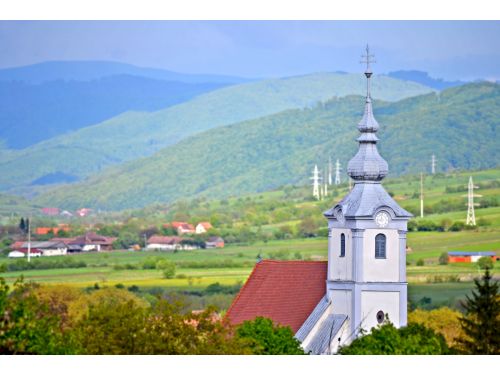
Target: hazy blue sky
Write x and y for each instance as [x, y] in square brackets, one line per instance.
[449, 49]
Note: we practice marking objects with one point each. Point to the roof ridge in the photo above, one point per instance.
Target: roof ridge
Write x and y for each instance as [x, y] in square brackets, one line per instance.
[291, 261]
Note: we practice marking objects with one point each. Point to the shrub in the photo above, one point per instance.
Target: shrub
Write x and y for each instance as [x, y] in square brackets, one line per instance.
[443, 259]
[485, 263]
[457, 226]
[420, 262]
[167, 267]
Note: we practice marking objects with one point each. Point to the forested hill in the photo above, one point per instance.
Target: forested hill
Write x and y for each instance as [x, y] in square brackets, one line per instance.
[458, 125]
[138, 134]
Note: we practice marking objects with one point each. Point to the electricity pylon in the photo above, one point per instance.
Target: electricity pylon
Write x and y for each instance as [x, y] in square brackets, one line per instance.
[471, 215]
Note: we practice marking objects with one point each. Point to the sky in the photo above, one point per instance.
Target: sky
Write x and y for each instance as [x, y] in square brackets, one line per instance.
[465, 50]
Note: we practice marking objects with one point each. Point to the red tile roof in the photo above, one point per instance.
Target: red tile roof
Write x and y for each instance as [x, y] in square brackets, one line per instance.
[284, 291]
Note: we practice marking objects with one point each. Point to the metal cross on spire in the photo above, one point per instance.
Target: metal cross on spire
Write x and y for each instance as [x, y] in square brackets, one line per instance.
[368, 59]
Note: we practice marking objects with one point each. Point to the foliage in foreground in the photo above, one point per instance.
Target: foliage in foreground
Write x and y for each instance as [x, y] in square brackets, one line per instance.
[64, 320]
[387, 339]
[265, 337]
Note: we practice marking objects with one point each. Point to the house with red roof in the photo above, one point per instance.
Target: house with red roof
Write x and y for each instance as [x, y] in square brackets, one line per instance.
[91, 241]
[363, 283]
[203, 227]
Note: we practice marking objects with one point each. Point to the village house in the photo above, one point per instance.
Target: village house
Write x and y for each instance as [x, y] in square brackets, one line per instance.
[213, 242]
[82, 212]
[50, 211]
[470, 256]
[170, 243]
[40, 248]
[363, 283]
[203, 227]
[91, 241]
[163, 243]
[52, 230]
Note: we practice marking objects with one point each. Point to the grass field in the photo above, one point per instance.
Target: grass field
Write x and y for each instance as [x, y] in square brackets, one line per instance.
[199, 268]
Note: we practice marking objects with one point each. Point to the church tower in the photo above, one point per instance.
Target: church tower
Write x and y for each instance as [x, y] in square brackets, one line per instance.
[366, 279]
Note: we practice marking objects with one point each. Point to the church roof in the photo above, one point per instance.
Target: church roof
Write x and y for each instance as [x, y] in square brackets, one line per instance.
[284, 291]
[364, 200]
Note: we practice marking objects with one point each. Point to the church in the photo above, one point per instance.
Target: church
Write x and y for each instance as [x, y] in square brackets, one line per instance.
[363, 283]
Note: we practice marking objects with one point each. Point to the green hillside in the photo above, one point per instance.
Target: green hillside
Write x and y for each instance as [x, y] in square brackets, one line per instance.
[137, 134]
[459, 126]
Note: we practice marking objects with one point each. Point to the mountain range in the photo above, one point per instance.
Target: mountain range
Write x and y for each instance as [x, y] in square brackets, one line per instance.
[459, 125]
[75, 154]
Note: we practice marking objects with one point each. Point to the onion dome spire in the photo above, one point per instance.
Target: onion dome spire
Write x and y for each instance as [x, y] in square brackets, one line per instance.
[367, 164]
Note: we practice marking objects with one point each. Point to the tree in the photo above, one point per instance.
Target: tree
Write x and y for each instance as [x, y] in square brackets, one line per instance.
[443, 259]
[443, 320]
[265, 337]
[387, 339]
[481, 323]
[27, 325]
[485, 263]
[167, 267]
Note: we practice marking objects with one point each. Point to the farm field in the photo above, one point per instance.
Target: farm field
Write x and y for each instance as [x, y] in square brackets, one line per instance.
[199, 268]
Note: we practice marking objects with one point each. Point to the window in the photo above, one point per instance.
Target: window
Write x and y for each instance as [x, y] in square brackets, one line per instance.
[342, 245]
[380, 317]
[380, 241]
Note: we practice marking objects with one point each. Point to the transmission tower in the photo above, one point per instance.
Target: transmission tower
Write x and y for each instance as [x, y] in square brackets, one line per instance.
[337, 172]
[471, 215]
[421, 195]
[316, 184]
[433, 164]
[330, 170]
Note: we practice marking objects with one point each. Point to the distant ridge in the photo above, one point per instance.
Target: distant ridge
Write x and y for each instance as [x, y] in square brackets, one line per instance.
[91, 70]
[424, 79]
[133, 134]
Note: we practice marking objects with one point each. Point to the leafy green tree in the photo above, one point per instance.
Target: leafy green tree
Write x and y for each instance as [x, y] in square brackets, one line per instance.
[485, 263]
[167, 267]
[27, 326]
[267, 338]
[481, 323]
[387, 339]
[443, 259]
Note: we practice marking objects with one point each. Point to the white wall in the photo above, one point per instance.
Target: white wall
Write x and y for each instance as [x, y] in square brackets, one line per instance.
[339, 268]
[341, 301]
[52, 252]
[374, 301]
[381, 269]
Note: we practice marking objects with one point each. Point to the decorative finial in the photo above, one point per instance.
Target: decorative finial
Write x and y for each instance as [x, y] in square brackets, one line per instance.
[368, 59]
[367, 164]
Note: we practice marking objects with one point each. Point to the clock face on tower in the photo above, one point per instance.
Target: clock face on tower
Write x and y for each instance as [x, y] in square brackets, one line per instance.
[382, 219]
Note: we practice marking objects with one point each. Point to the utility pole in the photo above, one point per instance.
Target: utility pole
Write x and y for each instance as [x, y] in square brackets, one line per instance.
[316, 186]
[325, 184]
[337, 173]
[421, 195]
[471, 215]
[433, 164]
[330, 170]
[29, 239]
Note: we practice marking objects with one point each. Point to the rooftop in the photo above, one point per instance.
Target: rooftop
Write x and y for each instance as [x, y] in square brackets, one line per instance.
[284, 291]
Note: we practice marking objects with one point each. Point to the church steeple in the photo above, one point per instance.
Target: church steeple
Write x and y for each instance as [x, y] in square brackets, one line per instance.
[367, 164]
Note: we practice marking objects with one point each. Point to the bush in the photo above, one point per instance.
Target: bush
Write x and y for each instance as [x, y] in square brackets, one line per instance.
[443, 259]
[485, 263]
[420, 262]
[457, 226]
[167, 267]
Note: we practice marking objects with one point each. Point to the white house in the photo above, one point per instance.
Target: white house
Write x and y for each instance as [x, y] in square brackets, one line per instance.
[203, 227]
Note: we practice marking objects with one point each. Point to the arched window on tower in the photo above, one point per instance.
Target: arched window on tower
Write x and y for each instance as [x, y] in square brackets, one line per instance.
[342, 245]
[380, 245]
